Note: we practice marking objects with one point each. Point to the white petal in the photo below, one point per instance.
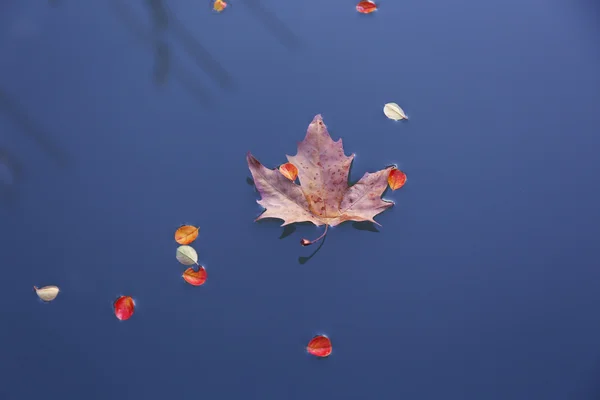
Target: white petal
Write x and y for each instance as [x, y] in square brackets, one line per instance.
[393, 111]
[187, 255]
[47, 293]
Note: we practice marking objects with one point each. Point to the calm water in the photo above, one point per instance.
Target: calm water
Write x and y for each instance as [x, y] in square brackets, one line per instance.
[121, 120]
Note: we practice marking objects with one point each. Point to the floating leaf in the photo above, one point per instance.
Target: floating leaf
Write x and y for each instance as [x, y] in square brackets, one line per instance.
[396, 179]
[393, 111]
[186, 234]
[195, 278]
[323, 196]
[219, 5]
[47, 293]
[187, 255]
[319, 346]
[366, 7]
[124, 307]
[289, 170]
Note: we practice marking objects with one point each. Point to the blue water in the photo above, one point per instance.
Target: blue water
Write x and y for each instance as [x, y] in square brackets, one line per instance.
[119, 123]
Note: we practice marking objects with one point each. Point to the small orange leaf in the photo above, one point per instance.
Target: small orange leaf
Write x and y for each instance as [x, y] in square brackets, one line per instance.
[319, 346]
[186, 234]
[124, 307]
[396, 179]
[366, 7]
[219, 5]
[195, 278]
[289, 170]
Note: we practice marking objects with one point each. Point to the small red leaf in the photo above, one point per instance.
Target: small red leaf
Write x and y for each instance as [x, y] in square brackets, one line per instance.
[396, 179]
[289, 170]
[124, 307]
[319, 346]
[366, 7]
[195, 278]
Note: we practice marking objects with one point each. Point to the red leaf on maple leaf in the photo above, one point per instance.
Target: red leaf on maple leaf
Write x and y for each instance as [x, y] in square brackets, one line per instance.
[289, 170]
[323, 196]
[397, 179]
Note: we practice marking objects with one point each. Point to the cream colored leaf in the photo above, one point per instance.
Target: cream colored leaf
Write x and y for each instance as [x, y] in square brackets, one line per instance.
[187, 255]
[47, 293]
[393, 111]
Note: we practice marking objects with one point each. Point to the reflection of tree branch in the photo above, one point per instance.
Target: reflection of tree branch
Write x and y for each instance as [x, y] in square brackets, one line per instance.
[160, 17]
[31, 129]
[7, 190]
[160, 22]
[203, 58]
[10, 161]
[161, 63]
[274, 24]
[188, 82]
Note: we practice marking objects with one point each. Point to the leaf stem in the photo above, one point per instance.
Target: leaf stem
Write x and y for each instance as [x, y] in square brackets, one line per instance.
[306, 242]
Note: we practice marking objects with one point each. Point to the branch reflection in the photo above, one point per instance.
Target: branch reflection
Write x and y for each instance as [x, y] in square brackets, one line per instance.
[165, 61]
[20, 117]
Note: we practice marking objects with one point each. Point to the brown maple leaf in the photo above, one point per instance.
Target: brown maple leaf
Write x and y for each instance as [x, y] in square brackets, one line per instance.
[323, 196]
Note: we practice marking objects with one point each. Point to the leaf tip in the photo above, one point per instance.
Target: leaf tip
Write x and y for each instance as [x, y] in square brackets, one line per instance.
[252, 161]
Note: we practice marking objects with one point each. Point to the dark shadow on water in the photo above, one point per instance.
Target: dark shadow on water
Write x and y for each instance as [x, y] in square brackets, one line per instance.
[8, 190]
[12, 163]
[160, 17]
[250, 181]
[161, 63]
[350, 182]
[8, 159]
[287, 231]
[20, 116]
[273, 24]
[365, 226]
[304, 260]
[202, 56]
[165, 62]
[593, 389]
[162, 57]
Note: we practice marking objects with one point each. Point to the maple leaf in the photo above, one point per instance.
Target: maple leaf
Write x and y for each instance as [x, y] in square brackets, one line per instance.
[323, 196]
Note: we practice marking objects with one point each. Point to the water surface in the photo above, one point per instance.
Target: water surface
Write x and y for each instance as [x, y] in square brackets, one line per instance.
[130, 118]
